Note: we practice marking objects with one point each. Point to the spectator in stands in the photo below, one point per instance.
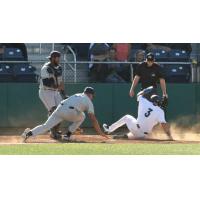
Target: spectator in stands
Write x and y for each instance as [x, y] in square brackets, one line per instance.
[123, 51]
[98, 52]
[1, 51]
[113, 77]
[138, 57]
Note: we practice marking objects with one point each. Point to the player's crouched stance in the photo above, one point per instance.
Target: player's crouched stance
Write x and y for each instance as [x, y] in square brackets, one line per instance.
[150, 113]
[71, 110]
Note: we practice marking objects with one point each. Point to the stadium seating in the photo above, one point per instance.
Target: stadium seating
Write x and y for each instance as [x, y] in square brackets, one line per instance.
[24, 72]
[176, 73]
[13, 54]
[178, 56]
[6, 73]
[160, 55]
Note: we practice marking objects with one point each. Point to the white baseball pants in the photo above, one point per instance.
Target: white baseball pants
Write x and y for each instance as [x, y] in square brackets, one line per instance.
[50, 98]
[63, 112]
[131, 124]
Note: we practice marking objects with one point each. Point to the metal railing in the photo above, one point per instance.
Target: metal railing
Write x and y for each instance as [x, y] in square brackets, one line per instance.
[71, 66]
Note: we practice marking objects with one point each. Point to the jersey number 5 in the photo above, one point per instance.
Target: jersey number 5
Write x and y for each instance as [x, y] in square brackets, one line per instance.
[147, 114]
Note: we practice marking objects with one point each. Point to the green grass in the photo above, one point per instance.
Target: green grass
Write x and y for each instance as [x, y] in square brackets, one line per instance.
[100, 149]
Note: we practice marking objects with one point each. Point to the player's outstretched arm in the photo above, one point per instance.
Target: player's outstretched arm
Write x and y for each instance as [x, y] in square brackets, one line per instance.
[166, 128]
[96, 126]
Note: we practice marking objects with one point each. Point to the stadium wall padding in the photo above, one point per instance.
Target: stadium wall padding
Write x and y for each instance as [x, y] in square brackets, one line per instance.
[21, 107]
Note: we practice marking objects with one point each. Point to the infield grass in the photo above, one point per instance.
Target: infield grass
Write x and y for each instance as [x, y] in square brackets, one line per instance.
[100, 149]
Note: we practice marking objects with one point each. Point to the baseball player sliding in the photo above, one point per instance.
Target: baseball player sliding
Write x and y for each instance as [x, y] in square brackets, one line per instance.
[71, 110]
[51, 90]
[150, 113]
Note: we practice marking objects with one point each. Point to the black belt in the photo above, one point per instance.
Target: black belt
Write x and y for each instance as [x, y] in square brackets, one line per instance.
[70, 107]
[139, 128]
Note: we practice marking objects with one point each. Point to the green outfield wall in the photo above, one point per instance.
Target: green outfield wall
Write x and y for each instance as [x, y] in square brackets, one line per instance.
[21, 107]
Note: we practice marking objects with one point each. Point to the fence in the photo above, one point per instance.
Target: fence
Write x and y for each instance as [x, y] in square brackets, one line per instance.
[21, 107]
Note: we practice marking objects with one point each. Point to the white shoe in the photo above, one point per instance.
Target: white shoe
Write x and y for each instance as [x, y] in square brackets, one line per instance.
[24, 134]
[106, 128]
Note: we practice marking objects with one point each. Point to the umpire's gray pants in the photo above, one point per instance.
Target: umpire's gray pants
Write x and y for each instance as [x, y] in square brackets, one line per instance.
[63, 112]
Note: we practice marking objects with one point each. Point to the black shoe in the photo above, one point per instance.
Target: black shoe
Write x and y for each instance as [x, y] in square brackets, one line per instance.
[66, 136]
[56, 136]
[120, 137]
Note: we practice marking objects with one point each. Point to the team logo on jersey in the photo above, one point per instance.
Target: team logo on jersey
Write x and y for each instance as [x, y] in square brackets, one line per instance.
[153, 75]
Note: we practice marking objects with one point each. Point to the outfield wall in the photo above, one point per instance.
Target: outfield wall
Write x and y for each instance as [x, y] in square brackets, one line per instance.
[21, 107]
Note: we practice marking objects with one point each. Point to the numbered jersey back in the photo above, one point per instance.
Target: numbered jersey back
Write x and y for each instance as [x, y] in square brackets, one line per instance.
[149, 115]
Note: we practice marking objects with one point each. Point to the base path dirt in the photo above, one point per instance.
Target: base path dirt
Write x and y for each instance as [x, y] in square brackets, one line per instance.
[85, 139]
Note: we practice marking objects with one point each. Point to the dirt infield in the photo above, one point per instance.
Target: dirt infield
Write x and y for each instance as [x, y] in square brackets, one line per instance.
[12, 136]
[86, 139]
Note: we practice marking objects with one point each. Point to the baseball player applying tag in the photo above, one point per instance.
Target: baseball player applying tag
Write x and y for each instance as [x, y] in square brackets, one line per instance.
[150, 113]
[72, 110]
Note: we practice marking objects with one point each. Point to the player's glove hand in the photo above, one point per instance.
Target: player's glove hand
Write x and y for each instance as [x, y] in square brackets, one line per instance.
[104, 135]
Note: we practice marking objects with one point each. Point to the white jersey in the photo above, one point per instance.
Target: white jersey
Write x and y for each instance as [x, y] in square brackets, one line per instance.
[80, 102]
[149, 115]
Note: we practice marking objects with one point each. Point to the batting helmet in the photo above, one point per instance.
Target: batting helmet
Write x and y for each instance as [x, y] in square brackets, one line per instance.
[156, 100]
[89, 90]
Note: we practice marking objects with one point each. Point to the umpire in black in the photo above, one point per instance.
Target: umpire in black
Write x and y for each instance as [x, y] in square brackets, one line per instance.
[149, 73]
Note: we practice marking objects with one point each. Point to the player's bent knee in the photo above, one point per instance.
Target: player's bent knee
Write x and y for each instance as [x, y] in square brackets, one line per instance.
[128, 117]
[82, 118]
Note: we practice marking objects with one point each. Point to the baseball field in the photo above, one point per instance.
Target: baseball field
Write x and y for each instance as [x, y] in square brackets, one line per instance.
[87, 144]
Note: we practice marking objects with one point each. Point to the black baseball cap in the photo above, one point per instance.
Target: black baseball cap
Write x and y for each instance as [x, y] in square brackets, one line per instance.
[89, 90]
[54, 54]
[150, 57]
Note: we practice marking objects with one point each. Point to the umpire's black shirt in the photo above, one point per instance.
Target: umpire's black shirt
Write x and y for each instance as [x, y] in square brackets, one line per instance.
[149, 76]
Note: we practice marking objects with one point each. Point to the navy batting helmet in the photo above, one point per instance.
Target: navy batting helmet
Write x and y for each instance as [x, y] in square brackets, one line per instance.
[89, 90]
[157, 100]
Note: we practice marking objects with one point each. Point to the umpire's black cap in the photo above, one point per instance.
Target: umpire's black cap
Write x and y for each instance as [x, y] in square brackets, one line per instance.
[89, 90]
[150, 57]
[54, 54]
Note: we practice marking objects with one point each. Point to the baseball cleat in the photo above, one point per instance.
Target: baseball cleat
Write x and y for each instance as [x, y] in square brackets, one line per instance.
[56, 136]
[66, 136]
[26, 134]
[120, 137]
[106, 128]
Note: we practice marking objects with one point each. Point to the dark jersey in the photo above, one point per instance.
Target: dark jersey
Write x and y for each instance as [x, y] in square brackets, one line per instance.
[149, 76]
